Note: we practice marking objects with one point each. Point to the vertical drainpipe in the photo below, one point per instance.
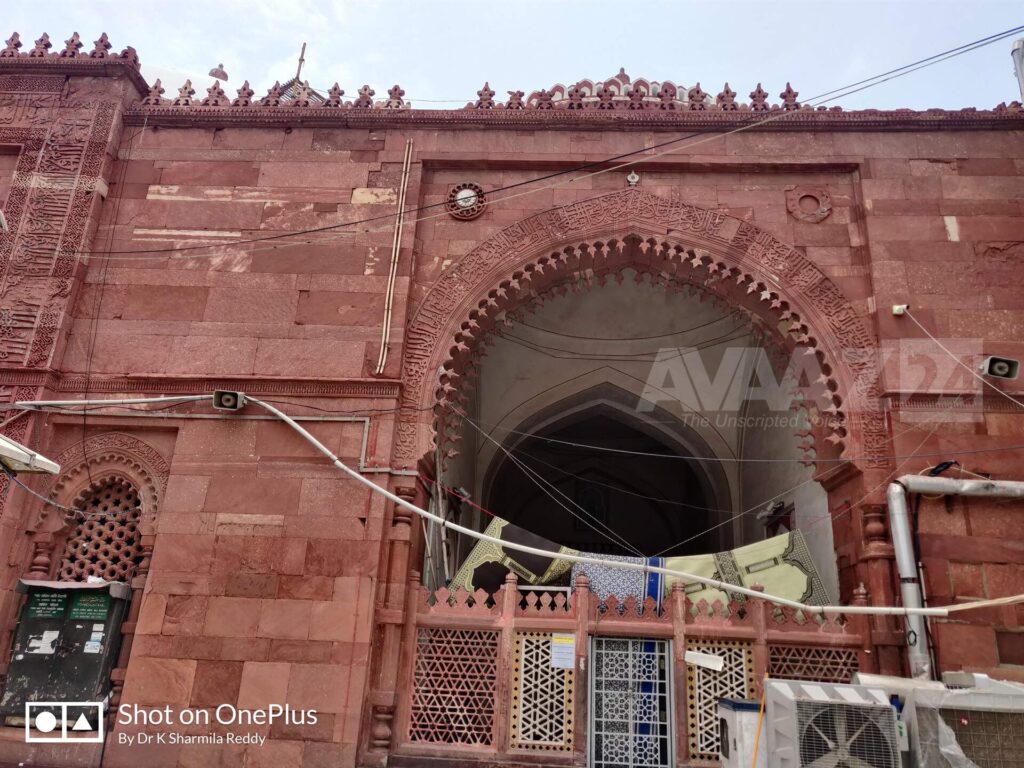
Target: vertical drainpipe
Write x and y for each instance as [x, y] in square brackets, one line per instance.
[396, 248]
[910, 586]
[903, 545]
[1017, 53]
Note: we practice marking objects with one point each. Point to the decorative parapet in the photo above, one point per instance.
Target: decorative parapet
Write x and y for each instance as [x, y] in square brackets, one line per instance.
[619, 101]
[42, 57]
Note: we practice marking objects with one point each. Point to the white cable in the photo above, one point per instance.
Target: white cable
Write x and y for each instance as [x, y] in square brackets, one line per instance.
[962, 364]
[627, 566]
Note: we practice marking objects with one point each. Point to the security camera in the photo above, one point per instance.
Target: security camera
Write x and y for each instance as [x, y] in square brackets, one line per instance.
[224, 400]
[1000, 367]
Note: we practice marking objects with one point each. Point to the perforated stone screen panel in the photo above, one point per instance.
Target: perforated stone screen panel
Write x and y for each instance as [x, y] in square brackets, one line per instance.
[806, 662]
[454, 684]
[106, 544]
[706, 686]
[542, 697]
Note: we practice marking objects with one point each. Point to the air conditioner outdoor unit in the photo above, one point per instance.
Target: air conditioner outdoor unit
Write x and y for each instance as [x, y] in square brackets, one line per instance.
[982, 725]
[824, 724]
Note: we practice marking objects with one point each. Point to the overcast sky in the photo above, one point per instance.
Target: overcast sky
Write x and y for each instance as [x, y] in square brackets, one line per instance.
[446, 50]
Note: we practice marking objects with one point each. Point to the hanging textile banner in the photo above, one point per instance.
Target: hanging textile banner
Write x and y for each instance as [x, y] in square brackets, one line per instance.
[487, 564]
[781, 564]
[606, 580]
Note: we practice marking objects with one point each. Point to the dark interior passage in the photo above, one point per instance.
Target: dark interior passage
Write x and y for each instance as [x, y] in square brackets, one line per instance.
[654, 504]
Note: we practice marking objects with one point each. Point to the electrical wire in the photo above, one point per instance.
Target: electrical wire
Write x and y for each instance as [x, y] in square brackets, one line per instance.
[622, 338]
[810, 103]
[736, 460]
[620, 565]
[49, 502]
[641, 357]
[42, 405]
[962, 364]
[612, 535]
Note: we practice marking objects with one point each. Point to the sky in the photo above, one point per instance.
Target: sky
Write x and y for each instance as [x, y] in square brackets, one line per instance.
[442, 52]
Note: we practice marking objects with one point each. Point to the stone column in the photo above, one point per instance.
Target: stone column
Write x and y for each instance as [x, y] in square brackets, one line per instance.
[390, 620]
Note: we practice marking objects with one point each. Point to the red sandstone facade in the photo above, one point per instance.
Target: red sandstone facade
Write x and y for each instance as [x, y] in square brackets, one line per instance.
[267, 577]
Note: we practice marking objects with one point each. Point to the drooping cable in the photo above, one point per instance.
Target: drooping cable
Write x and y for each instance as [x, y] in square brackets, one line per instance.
[813, 101]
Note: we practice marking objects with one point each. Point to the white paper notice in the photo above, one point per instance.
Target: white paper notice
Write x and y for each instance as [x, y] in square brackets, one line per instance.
[45, 643]
[563, 651]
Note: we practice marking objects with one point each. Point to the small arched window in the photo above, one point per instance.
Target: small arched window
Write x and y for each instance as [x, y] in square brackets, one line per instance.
[106, 542]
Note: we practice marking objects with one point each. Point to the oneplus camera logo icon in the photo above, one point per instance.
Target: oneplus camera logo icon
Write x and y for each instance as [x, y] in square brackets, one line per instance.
[49, 722]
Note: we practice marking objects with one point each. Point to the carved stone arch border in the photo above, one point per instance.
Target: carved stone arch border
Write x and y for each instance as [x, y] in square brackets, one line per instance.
[676, 243]
[105, 455]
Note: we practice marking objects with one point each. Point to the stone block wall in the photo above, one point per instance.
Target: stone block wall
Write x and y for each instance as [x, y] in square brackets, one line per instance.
[269, 571]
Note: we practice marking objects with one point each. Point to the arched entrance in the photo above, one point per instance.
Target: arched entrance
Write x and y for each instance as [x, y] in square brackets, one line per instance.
[788, 307]
[787, 298]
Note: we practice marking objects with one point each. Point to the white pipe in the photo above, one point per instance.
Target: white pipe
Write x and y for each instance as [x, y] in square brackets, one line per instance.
[903, 547]
[682, 575]
[396, 250]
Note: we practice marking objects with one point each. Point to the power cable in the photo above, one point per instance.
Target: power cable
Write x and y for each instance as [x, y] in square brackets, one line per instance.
[612, 535]
[843, 91]
[622, 338]
[626, 356]
[962, 364]
[620, 565]
[624, 451]
[42, 405]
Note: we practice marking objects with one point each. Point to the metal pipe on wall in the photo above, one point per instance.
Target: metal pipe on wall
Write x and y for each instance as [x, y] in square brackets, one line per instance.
[396, 249]
[903, 546]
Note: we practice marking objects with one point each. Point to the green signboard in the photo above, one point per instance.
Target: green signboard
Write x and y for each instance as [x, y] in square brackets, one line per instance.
[90, 606]
[47, 605]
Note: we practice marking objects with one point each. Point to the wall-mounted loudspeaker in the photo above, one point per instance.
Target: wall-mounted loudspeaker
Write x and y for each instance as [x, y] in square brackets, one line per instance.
[223, 400]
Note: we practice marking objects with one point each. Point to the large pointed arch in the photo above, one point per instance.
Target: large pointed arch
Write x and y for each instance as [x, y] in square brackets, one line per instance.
[675, 243]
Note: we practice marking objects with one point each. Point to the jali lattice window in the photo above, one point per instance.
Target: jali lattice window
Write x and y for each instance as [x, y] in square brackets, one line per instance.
[705, 687]
[805, 662]
[106, 543]
[542, 696]
[454, 686]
